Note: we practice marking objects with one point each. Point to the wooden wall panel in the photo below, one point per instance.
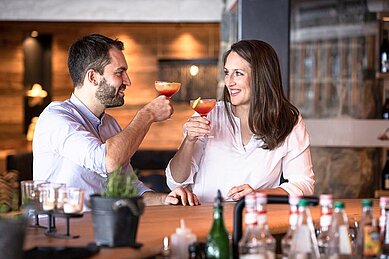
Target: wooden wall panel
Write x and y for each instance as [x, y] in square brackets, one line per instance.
[145, 43]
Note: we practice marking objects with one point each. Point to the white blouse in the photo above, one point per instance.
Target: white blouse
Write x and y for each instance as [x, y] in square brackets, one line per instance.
[223, 162]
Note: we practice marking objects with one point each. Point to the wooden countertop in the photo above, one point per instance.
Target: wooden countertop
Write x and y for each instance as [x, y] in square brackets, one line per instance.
[160, 221]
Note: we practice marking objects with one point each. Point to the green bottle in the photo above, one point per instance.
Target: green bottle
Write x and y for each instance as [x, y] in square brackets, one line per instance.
[218, 245]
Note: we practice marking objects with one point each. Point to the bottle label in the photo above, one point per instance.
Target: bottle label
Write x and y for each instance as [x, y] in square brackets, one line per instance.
[371, 244]
[344, 240]
[301, 242]
[293, 219]
[262, 218]
[325, 220]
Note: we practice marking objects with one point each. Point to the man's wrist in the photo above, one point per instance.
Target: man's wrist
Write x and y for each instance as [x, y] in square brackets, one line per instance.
[146, 114]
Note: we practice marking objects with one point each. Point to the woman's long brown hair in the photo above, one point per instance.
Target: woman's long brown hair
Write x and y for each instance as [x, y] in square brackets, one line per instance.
[271, 116]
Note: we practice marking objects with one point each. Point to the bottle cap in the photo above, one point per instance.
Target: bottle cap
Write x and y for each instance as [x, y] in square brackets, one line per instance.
[384, 201]
[367, 203]
[325, 199]
[339, 205]
[294, 199]
[261, 197]
[303, 203]
[218, 199]
[183, 229]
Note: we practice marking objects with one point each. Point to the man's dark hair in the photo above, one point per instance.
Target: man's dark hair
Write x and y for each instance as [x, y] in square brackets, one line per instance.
[90, 52]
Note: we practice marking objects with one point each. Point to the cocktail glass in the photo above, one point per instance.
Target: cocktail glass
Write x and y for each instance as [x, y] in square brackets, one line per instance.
[167, 88]
[203, 107]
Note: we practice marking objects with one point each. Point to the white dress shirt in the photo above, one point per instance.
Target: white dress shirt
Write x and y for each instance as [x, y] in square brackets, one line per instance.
[69, 146]
[223, 162]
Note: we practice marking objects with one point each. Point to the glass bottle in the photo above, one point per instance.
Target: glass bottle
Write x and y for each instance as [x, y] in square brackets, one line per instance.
[304, 242]
[286, 241]
[384, 53]
[385, 107]
[385, 173]
[384, 228]
[325, 221]
[218, 246]
[250, 245]
[339, 244]
[368, 241]
[266, 238]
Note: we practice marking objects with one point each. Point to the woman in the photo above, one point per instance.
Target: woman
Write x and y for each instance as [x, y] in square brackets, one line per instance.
[259, 135]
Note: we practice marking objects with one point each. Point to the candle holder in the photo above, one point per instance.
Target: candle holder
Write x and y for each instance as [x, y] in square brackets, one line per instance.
[53, 200]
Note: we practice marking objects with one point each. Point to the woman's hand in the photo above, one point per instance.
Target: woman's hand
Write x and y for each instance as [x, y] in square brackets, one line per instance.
[197, 126]
[238, 192]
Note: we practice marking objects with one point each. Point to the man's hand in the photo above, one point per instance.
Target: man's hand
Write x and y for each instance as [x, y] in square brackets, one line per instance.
[160, 108]
[238, 192]
[183, 196]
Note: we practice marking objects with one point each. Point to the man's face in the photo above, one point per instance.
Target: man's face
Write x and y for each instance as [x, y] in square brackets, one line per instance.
[108, 94]
[110, 91]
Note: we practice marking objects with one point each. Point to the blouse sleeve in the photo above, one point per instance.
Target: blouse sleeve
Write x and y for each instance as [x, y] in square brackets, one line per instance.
[297, 163]
[195, 162]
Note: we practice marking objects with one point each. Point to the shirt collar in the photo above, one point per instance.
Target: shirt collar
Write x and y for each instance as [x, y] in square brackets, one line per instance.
[86, 112]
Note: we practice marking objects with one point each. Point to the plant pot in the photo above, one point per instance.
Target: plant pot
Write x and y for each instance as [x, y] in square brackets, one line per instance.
[115, 220]
[13, 231]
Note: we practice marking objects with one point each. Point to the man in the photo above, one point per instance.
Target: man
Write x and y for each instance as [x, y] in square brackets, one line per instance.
[77, 143]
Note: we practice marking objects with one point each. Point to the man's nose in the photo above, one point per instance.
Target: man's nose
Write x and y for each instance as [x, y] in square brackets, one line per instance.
[126, 80]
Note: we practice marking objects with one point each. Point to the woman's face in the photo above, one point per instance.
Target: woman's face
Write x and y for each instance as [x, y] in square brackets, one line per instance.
[237, 77]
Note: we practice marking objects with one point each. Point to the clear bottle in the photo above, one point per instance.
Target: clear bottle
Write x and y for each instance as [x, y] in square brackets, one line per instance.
[385, 107]
[286, 241]
[325, 222]
[368, 241]
[266, 237]
[304, 242]
[218, 246]
[181, 240]
[384, 53]
[250, 245]
[384, 228]
[339, 244]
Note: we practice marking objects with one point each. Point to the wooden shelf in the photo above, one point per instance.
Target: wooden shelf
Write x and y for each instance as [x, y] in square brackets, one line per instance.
[381, 193]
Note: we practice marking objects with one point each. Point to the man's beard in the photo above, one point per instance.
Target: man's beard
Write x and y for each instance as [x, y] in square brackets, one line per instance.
[107, 95]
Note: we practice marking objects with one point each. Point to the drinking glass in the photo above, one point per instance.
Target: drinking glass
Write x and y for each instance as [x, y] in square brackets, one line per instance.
[203, 107]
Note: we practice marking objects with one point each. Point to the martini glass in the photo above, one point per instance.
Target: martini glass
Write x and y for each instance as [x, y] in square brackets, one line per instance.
[203, 107]
[167, 88]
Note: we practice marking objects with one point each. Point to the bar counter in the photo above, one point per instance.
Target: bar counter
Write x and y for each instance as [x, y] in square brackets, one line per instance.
[160, 221]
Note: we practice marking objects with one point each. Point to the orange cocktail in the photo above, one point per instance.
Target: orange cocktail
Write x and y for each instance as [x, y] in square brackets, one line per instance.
[167, 88]
[203, 106]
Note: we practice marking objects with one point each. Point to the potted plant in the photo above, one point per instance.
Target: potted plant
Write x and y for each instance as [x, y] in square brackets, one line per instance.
[12, 222]
[116, 211]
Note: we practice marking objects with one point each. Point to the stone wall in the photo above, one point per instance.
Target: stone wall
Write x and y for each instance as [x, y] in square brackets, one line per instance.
[346, 172]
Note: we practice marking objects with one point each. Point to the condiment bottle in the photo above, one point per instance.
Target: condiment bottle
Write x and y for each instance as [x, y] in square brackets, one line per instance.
[181, 239]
